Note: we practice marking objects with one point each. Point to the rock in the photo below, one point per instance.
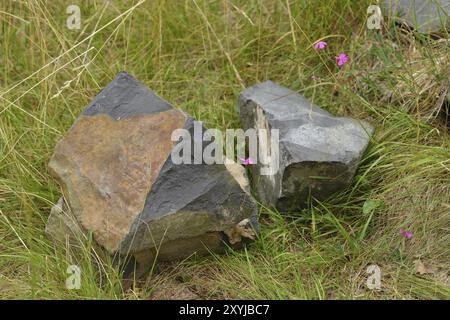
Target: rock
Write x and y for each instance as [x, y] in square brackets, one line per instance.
[426, 16]
[116, 173]
[62, 225]
[318, 153]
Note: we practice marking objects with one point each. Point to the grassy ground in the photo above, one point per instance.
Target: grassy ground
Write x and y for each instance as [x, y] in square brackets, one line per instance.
[199, 55]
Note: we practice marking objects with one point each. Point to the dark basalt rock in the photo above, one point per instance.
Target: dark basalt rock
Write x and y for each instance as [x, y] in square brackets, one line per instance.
[118, 179]
[318, 153]
[425, 16]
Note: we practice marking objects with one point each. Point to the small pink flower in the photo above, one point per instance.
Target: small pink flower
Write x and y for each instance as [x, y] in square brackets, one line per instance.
[320, 45]
[246, 162]
[407, 235]
[341, 59]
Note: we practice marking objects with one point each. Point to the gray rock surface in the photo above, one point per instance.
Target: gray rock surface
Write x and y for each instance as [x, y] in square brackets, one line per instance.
[318, 153]
[426, 16]
[117, 176]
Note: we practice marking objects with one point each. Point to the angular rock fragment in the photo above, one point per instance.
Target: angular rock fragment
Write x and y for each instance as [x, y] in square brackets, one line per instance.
[318, 153]
[116, 172]
[425, 16]
[62, 225]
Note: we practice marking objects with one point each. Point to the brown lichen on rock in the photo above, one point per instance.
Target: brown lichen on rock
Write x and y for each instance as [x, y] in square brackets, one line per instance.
[107, 167]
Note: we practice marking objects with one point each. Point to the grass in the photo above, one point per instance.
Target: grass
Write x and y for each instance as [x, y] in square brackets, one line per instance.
[199, 55]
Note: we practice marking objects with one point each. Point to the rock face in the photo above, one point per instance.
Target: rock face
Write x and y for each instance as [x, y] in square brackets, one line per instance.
[116, 172]
[318, 153]
[426, 16]
[63, 226]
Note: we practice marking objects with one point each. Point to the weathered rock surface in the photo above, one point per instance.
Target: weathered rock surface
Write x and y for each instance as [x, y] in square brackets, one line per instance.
[426, 16]
[116, 172]
[318, 153]
[63, 226]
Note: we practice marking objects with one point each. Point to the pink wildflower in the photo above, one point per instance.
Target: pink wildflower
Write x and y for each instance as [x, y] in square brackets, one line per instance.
[341, 59]
[407, 235]
[320, 45]
[246, 162]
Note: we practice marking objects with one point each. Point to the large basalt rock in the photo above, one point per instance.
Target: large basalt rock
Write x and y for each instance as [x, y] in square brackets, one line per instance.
[116, 172]
[426, 16]
[318, 153]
